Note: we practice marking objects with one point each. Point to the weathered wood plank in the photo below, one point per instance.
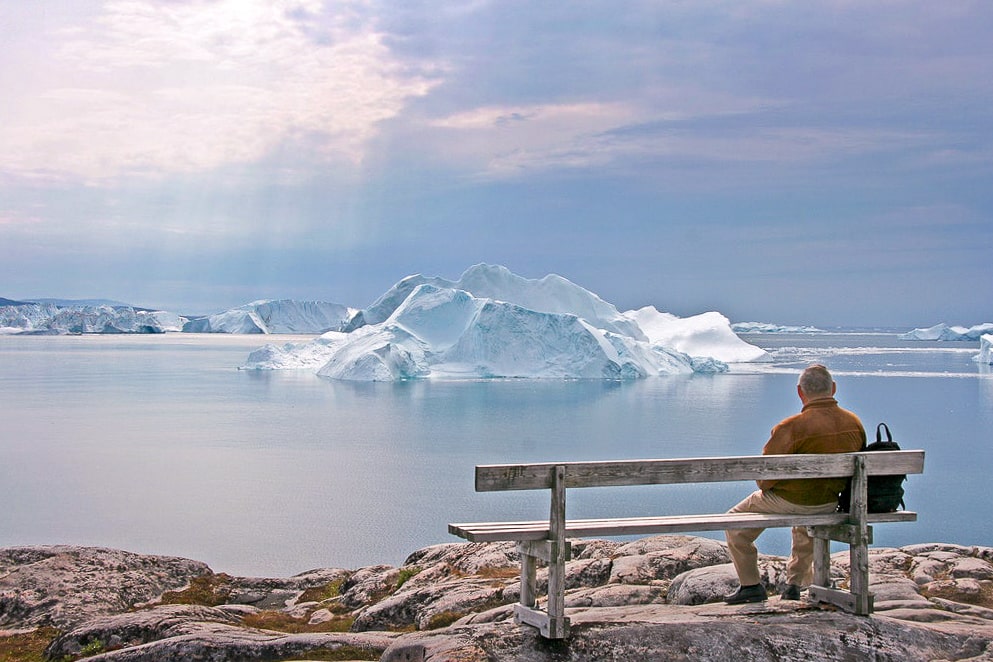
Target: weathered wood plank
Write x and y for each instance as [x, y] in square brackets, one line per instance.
[822, 558]
[530, 616]
[543, 550]
[847, 533]
[834, 596]
[620, 526]
[529, 574]
[858, 549]
[550, 627]
[538, 530]
[557, 545]
[500, 477]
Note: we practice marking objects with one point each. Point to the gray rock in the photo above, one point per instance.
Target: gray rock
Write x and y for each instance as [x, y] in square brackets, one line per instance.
[702, 585]
[192, 632]
[665, 557]
[889, 588]
[279, 592]
[320, 616]
[64, 585]
[959, 608]
[368, 586]
[427, 608]
[656, 598]
[140, 627]
[704, 633]
[972, 568]
[594, 548]
[466, 558]
[616, 595]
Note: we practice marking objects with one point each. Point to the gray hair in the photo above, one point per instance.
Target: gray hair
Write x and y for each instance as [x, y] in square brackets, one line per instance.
[816, 381]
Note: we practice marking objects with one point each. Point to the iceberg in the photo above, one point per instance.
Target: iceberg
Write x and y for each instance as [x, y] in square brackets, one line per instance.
[264, 316]
[49, 318]
[274, 316]
[945, 332]
[705, 335]
[492, 323]
[551, 294]
[985, 356]
[765, 327]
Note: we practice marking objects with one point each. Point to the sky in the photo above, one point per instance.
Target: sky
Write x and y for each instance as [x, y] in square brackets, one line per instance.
[825, 162]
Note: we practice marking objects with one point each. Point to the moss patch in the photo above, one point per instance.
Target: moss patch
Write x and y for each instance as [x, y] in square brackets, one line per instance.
[443, 619]
[949, 590]
[27, 646]
[322, 593]
[405, 574]
[282, 622]
[337, 654]
[209, 590]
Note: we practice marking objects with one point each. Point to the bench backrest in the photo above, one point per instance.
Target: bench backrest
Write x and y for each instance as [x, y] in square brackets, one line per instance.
[500, 477]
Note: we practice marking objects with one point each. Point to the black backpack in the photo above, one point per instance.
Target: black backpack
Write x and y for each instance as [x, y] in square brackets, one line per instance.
[885, 493]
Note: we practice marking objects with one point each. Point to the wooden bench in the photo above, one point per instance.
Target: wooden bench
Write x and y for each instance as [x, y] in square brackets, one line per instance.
[546, 540]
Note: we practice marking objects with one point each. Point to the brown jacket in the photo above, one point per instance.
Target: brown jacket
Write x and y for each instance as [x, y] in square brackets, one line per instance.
[820, 427]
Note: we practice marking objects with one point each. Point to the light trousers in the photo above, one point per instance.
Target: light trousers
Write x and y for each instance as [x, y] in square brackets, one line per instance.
[741, 542]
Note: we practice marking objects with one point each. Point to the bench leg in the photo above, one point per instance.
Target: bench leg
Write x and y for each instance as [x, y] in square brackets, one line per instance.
[558, 553]
[858, 534]
[552, 623]
[859, 569]
[529, 593]
[859, 546]
[822, 562]
[558, 623]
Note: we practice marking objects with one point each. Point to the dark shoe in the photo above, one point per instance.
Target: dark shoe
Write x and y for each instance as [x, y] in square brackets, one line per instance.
[753, 593]
[791, 592]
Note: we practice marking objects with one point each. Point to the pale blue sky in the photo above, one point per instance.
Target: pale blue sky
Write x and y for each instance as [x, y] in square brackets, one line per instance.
[821, 162]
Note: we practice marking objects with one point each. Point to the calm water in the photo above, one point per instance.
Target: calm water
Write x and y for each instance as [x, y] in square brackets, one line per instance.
[159, 444]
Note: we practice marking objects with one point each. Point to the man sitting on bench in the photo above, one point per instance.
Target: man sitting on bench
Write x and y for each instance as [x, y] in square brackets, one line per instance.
[820, 427]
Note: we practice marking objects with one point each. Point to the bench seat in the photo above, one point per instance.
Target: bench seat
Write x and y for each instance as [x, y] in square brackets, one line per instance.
[586, 528]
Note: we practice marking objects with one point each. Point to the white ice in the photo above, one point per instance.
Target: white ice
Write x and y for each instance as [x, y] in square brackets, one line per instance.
[945, 332]
[985, 355]
[50, 318]
[767, 327]
[493, 323]
[274, 316]
[707, 334]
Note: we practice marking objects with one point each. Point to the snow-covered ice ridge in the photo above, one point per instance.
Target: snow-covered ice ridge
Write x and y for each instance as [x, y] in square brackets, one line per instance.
[945, 332]
[275, 316]
[266, 316]
[765, 327]
[492, 323]
[49, 318]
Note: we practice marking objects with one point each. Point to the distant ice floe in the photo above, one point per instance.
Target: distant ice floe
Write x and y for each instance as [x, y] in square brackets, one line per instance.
[265, 316]
[52, 319]
[765, 327]
[945, 332]
[492, 323]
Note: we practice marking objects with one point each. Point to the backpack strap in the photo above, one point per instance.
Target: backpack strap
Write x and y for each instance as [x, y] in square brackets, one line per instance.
[879, 429]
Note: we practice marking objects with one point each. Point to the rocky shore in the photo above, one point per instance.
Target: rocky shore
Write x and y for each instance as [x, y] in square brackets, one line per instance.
[654, 598]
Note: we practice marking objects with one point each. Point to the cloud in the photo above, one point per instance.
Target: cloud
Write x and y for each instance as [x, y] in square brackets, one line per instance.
[512, 141]
[180, 87]
[16, 219]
